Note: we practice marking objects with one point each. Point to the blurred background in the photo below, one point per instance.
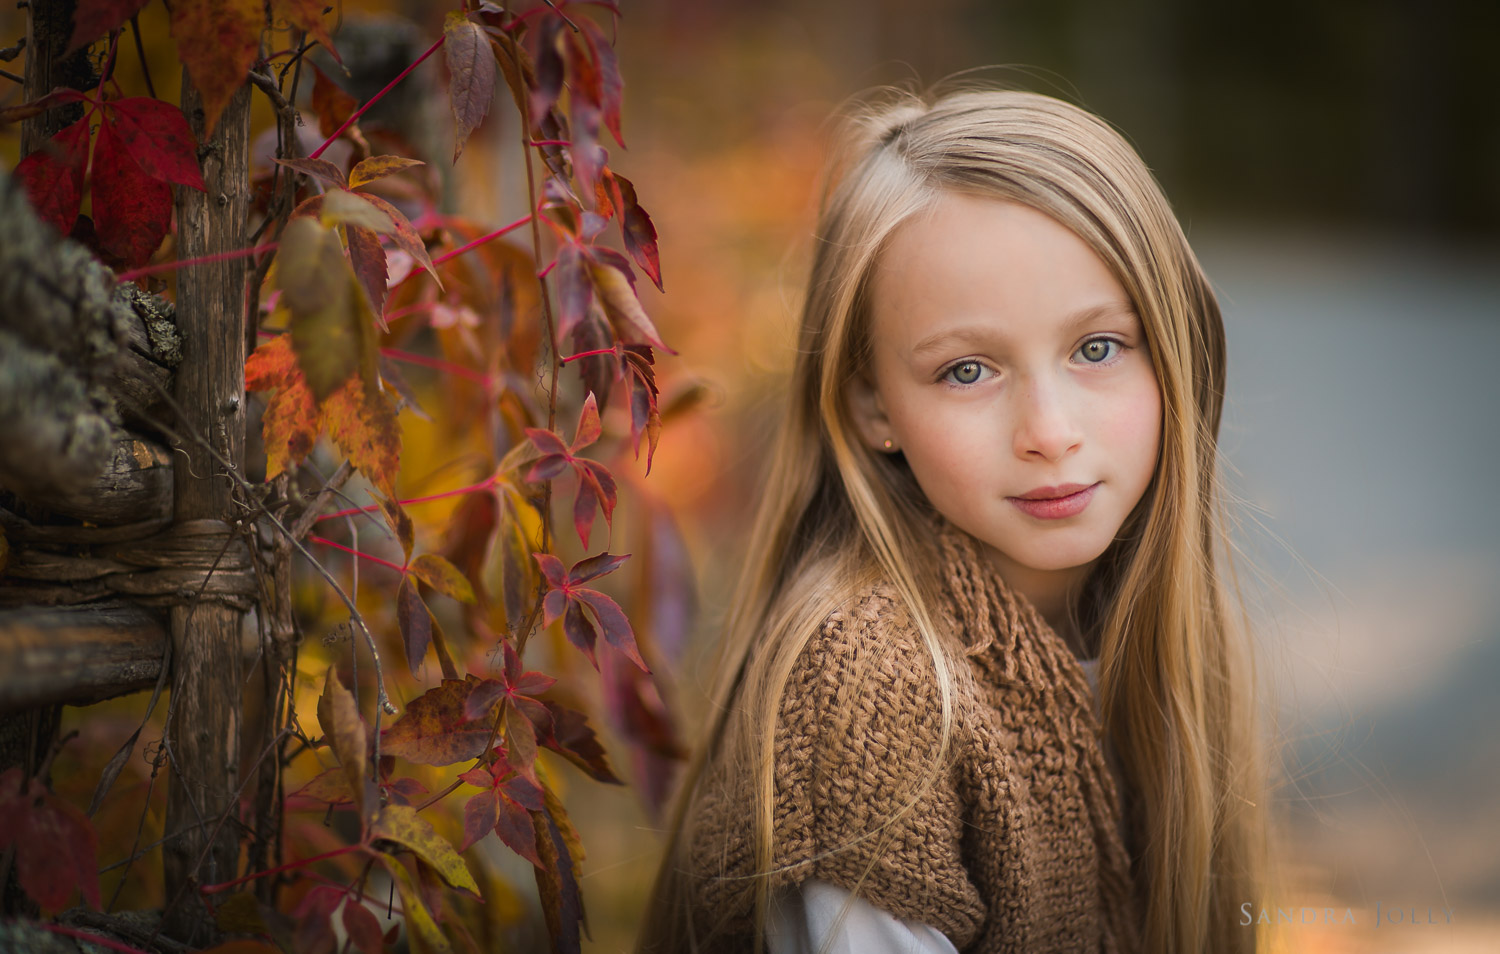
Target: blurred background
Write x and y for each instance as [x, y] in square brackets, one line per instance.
[1337, 167]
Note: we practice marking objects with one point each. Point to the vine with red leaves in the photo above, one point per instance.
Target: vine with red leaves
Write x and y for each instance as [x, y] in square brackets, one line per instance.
[359, 276]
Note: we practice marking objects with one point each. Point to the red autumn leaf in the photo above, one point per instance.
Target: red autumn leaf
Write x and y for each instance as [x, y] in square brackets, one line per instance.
[378, 167]
[318, 169]
[157, 137]
[218, 41]
[608, 93]
[313, 917]
[637, 710]
[503, 807]
[567, 599]
[367, 257]
[617, 293]
[56, 847]
[132, 211]
[58, 97]
[557, 883]
[471, 66]
[645, 417]
[598, 371]
[638, 232]
[330, 103]
[415, 621]
[405, 235]
[434, 729]
[53, 175]
[584, 116]
[596, 486]
[400, 523]
[306, 15]
[362, 928]
[574, 739]
[94, 18]
[541, 45]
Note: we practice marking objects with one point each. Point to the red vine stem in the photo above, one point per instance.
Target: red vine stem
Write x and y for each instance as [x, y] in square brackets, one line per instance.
[135, 273]
[446, 256]
[376, 98]
[456, 492]
[359, 553]
[587, 354]
[437, 364]
[289, 866]
[481, 240]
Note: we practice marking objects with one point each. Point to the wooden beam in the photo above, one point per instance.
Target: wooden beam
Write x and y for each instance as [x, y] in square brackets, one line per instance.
[77, 654]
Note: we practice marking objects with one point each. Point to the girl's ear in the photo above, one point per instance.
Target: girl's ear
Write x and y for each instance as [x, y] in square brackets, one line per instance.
[868, 413]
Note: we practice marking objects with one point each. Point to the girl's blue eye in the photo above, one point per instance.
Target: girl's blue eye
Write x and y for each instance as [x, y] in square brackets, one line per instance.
[1099, 350]
[966, 372]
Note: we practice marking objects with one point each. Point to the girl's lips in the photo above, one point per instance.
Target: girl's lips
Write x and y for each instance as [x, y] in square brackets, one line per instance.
[1055, 508]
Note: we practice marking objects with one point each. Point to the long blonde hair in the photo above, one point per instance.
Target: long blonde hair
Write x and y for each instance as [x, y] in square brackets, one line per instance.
[1176, 680]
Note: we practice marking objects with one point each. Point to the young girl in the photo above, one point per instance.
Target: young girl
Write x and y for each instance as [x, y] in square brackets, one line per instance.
[983, 688]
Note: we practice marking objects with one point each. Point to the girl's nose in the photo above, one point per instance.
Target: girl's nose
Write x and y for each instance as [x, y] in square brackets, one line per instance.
[1046, 427]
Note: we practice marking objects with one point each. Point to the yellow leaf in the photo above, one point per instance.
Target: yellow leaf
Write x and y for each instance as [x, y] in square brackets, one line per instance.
[402, 824]
[426, 936]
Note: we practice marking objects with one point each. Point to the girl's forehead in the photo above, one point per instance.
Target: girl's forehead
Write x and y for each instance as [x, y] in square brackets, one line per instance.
[972, 262]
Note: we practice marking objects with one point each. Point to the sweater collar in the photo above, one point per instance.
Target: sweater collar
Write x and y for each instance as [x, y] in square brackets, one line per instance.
[988, 611]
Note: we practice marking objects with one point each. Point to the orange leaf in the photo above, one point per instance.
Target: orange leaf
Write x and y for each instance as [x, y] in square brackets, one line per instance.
[378, 167]
[305, 15]
[218, 41]
[363, 424]
[291, 423]
[331, 104]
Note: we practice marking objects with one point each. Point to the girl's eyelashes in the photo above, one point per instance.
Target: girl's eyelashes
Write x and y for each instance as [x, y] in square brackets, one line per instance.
[1097, 351]
[964, 373]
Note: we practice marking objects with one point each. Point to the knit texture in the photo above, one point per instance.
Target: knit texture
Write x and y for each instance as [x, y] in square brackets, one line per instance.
[1011, 843]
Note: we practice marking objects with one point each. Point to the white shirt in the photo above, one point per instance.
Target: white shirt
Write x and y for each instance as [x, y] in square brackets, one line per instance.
[816, 917]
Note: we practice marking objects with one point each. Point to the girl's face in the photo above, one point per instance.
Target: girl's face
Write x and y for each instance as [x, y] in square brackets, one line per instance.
[1011, 370]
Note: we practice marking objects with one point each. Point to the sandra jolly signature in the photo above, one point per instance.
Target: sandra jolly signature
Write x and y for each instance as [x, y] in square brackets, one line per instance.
[1249, 914]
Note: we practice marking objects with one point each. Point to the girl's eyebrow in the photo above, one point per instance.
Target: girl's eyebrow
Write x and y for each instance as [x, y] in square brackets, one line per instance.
[979, 334]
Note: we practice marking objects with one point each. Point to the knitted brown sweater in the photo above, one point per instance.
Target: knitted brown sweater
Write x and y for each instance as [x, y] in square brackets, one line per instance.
[1015, 845]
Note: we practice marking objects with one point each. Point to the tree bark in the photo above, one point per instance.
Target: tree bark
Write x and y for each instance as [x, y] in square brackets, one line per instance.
[202, 830]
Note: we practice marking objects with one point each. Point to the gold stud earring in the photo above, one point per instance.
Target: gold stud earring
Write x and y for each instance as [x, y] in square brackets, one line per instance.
[889, 444]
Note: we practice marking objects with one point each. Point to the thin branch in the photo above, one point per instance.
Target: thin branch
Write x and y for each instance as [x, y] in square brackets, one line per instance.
[140, 51]
[13, 77]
